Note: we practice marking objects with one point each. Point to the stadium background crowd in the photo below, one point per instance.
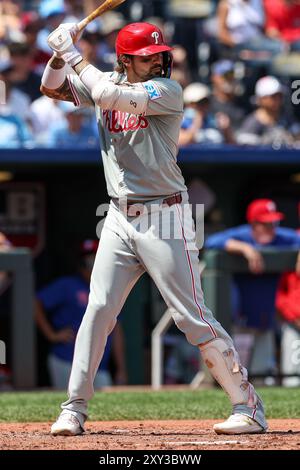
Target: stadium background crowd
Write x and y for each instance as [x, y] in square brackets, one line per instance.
[238, 64]
[220, 54]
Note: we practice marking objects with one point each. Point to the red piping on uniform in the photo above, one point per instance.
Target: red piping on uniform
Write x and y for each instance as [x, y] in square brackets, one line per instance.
[74, 93]
[193, 279]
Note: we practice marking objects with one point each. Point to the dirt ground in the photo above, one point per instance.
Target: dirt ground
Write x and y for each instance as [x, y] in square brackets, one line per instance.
[149, 435]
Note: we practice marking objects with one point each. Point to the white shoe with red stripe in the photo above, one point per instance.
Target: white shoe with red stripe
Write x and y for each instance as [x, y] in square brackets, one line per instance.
[66, 425]
[239, 424]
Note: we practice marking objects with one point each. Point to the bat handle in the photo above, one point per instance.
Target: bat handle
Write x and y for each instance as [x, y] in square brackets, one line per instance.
[82, 24]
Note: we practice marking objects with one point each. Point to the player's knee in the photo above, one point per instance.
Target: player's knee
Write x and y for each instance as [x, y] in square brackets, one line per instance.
[107, 308]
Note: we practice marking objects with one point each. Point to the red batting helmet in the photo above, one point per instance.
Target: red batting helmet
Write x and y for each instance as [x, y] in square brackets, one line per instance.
[141, 39]
[264, 211]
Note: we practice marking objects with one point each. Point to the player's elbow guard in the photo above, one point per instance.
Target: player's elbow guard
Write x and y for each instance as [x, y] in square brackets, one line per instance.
[106, 95]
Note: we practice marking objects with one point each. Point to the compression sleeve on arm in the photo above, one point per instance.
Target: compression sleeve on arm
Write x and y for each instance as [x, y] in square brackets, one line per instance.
[108, 95]
[53, 78]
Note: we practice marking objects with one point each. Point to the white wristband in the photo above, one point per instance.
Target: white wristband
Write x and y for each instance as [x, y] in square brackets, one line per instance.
[53, 78]
[72, 57]
[90, 76]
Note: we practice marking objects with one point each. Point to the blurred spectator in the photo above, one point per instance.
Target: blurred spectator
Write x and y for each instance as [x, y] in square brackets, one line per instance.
[13, 113]
[31, 25]
[22, 76]
[17, 103]
[255, 294]
[269, 124]
[288, 305]
[13, 132]
[10, 25]
[5, 245]
[53, 13]
[65, 301]
[76, 130]
[44, 113]
[199, 124]
[89, 45]
[283, 21]
[111, 23]
[75, 10]
[240, 21]
[241, 27]
[180, 69]
[223, 99]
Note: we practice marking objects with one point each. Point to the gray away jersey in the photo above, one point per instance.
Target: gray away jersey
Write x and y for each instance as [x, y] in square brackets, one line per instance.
[139, 153]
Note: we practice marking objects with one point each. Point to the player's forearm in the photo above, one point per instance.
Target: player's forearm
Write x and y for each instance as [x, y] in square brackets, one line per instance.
[89, 75]
[78, 68]
[54, 74]
[107, 94]
[236, 247]
[42, 322]
[56, 63]
[54, 81]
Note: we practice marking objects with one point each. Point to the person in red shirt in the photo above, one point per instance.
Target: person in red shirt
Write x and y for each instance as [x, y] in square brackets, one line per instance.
[288, 305]
[283, 21]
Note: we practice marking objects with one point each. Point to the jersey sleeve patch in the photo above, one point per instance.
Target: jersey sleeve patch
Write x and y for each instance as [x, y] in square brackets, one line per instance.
[152, 90]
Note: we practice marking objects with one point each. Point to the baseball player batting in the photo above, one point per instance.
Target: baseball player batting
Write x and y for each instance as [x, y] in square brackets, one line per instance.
[139, 111]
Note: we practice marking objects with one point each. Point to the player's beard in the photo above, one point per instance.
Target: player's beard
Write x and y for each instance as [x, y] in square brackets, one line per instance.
[155, 72]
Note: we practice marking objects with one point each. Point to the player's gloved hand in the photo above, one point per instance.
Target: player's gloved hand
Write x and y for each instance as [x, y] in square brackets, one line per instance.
[73, 29]
[61, 41]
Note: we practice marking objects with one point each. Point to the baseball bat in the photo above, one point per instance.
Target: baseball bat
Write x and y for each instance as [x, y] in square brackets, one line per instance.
[107, 5]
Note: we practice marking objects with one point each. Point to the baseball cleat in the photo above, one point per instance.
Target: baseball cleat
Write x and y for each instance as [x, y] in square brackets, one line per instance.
[238, 424]
[66, 425]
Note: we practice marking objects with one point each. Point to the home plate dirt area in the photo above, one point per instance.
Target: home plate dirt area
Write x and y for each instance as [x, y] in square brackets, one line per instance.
[283, 434]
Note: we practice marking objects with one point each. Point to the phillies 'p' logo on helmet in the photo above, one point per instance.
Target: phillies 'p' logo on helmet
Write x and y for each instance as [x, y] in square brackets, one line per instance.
[143, 39]
[140, 39]
[155, 35]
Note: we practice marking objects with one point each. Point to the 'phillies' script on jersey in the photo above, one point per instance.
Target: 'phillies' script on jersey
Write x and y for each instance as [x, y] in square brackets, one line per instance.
[119, 121]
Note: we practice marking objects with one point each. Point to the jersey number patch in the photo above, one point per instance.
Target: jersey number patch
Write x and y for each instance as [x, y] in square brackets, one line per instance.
[152, 90]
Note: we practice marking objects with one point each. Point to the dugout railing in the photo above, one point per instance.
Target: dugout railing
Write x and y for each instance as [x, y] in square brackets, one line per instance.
[21, 348]
[217, 270]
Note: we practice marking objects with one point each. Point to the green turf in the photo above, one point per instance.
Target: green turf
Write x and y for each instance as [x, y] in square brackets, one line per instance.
[44, 406]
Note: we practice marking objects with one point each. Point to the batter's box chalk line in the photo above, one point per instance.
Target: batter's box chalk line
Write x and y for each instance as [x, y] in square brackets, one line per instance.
[206, 443]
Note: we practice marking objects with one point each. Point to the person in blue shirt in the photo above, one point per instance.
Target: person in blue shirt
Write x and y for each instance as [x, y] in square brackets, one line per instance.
[76, 130]
[199, 124]
[60, 307]
[254, 293]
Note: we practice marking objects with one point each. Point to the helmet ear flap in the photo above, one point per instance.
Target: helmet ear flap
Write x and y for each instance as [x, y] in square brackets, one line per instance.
[167, 64]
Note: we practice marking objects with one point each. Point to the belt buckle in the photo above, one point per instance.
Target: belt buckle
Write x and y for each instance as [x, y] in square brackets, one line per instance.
[135, 210]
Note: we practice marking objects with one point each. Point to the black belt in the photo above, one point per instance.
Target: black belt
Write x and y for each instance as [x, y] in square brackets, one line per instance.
[138, 210]
[170, 201]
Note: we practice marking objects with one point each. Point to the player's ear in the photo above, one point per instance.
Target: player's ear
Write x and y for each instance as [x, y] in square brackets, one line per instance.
[124, 59]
